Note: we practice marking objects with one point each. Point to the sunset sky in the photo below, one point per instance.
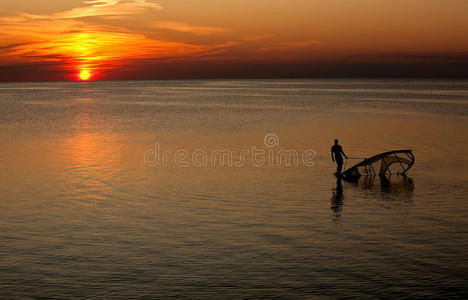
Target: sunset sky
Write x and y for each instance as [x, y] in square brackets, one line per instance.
[164, 39]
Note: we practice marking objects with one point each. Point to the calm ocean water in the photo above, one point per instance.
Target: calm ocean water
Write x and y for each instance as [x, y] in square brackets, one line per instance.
[82, 215]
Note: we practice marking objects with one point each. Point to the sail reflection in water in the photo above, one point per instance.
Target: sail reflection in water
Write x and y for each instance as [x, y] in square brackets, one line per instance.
[392, 191]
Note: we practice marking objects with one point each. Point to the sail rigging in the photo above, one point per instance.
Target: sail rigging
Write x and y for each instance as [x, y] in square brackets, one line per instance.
[391, 162]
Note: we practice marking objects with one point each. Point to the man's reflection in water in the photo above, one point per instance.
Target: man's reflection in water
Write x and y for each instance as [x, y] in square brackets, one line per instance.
[337, 199]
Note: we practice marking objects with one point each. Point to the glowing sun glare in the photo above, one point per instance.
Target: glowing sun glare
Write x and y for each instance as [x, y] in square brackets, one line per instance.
[85, 75]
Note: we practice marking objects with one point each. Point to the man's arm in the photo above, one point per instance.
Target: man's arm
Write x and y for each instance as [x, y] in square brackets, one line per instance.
[344, 154]
[332, 155]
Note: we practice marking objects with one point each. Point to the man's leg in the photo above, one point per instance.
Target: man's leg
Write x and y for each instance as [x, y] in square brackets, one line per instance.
[339, 167]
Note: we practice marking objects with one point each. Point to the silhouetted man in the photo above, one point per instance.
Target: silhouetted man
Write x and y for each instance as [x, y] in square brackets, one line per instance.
[336, 152]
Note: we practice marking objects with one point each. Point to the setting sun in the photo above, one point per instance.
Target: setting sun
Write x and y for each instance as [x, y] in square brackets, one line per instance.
[85, 75]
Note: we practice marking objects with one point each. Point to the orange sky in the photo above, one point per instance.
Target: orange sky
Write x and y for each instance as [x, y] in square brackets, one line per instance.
[122, 39]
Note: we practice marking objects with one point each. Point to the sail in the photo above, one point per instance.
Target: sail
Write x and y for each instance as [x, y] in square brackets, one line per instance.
[391, 162]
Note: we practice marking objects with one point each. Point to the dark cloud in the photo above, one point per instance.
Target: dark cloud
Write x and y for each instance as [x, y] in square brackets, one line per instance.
[414, 56]
[224, 69]
[13, 46]
[43, 71]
